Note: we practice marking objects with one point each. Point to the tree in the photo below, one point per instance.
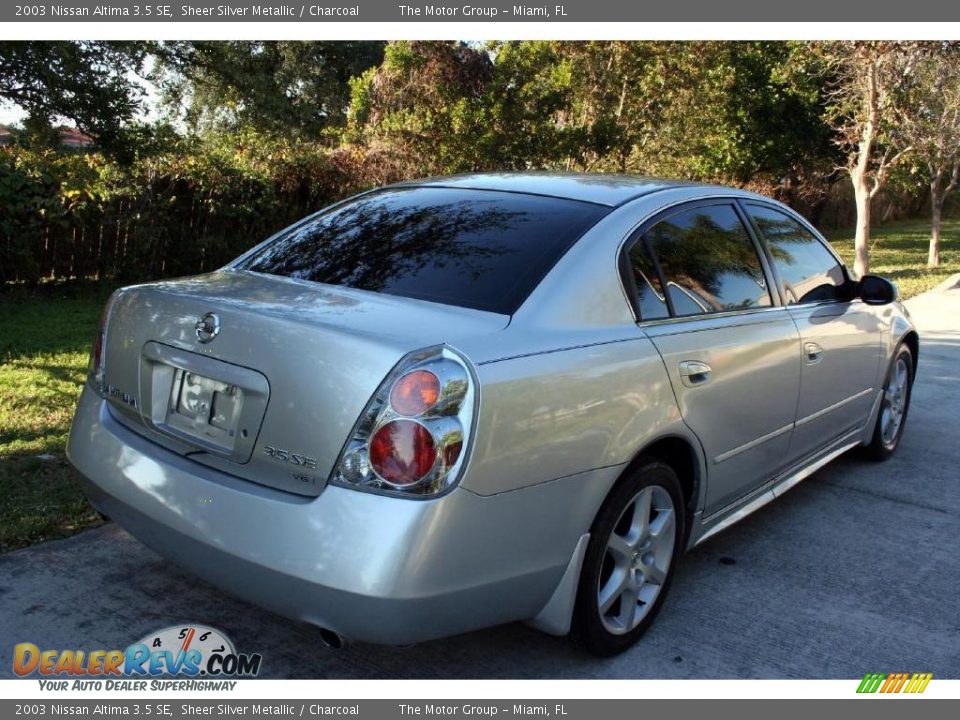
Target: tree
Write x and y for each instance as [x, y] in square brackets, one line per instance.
[740, 112]
[291, 88]
[733, 111]
[868, 86]
[89, 82]
[619, 97]
[523, 116]
[426, 101]
[930, 123]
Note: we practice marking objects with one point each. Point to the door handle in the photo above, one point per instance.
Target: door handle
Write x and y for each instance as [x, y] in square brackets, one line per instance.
[694, 372]
[812, 353]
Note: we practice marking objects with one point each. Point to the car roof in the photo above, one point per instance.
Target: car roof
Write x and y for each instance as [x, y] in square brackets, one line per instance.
[608, 189]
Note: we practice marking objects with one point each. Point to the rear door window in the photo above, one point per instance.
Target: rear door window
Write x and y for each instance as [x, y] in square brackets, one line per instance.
[650, 297]
[808, 271]
[707, 260]
[472, 248]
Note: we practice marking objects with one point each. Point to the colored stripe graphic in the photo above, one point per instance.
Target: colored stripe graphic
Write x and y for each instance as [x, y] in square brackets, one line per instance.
[901, 679]
[894, 683]
[922, 680]
[871, 682]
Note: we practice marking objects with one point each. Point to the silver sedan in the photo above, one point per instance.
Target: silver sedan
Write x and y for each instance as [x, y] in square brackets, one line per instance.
[447, 404]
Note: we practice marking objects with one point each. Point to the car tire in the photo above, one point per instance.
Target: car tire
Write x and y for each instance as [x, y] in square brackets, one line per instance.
[892, 417]
[635, 542]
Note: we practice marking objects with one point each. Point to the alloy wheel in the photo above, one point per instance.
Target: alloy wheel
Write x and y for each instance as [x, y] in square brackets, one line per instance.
[636, 559]
[894, 402]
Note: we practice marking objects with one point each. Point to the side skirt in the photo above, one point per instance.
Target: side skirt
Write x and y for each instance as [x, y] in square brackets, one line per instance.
[733, 514]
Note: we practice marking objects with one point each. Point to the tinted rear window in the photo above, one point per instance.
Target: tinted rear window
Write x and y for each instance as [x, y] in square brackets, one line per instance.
[473, 248]
[708, 261]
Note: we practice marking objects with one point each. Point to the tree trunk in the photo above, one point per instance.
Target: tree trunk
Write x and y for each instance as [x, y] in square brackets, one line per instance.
[861, 242]
[936, 203]
[860, 174]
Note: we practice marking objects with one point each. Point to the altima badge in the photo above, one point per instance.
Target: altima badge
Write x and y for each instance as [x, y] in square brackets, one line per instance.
[207, 327]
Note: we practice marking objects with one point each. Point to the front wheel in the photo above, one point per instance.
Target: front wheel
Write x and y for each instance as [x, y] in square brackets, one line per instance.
[894, 405]
[634, 544]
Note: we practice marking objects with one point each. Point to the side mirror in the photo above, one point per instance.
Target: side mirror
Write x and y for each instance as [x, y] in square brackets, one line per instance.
[875, 290]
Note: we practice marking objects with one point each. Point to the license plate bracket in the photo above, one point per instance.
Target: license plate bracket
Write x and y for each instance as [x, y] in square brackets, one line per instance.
[210, 404]
[205, 408]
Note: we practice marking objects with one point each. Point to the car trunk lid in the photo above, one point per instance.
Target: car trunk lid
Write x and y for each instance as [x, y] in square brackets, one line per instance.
[260, 376]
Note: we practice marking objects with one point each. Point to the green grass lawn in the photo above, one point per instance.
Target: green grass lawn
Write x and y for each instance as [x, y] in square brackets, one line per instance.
[45, 338]
[899, 251]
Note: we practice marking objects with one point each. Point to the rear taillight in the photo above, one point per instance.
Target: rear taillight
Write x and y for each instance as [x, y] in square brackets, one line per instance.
[411, 438]
[97, 354]
[402, 452]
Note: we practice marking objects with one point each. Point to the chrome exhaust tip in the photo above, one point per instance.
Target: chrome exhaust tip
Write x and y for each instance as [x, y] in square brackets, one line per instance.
[333, 640]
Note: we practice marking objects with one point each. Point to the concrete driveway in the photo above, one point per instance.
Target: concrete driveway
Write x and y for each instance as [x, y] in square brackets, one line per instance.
[855, 570]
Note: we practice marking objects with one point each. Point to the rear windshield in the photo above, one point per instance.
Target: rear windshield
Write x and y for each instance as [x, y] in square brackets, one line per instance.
[473, 248]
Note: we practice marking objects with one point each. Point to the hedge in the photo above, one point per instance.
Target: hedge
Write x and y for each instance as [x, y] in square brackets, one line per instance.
[81, 215]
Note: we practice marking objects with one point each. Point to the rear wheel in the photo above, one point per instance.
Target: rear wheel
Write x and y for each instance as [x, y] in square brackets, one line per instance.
[634, 544]
[894, 405]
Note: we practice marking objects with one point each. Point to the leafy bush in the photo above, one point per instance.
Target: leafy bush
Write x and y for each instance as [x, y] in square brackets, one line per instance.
[185, 210]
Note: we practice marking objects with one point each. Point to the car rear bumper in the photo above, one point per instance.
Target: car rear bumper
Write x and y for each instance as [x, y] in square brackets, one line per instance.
[366, 566]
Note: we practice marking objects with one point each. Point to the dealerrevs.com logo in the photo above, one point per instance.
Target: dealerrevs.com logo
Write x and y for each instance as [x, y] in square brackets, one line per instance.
[180, 651]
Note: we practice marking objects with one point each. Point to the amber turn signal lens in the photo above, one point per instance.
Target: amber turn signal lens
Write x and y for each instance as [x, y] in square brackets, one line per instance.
[415, 393]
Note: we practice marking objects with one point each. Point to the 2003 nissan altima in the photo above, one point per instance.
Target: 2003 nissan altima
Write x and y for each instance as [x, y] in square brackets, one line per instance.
[448, 404]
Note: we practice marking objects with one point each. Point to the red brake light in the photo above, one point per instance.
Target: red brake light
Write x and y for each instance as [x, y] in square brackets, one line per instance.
[415, 393]
[402, 452]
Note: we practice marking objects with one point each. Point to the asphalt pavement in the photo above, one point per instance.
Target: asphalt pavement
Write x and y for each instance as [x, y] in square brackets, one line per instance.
[855, 570]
